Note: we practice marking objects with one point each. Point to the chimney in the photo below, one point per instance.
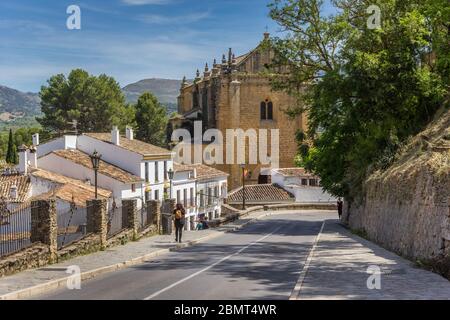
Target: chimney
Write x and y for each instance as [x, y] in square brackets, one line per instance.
[33, 157]
[35, 139]
[115, 136]
[13, 192]
[129, 133]
[23, 161]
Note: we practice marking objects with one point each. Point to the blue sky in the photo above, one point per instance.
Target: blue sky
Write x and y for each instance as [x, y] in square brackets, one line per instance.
[127, 39]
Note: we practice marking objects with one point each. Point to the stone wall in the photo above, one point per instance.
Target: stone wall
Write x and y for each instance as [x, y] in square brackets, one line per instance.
[43, 235]
[35, 256]
[407, 207]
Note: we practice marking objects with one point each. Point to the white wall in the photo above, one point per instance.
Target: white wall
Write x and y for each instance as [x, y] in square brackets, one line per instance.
[311, 194]
[62, 143]
[54, 163]
[120, 157]
[215, 207]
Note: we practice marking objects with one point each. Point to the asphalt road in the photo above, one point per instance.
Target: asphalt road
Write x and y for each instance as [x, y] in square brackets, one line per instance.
[261, 261]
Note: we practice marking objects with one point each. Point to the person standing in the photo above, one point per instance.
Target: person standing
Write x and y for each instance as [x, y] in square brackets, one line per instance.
[339, 206]
[179, 217]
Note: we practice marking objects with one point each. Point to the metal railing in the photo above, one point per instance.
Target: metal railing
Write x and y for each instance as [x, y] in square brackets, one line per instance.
[142, 217]
[15, 227]
[114, 220]
[71, 225]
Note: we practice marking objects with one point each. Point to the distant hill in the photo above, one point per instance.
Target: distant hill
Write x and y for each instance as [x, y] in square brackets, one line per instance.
[166, 90]
[20, 108]
[13, 101]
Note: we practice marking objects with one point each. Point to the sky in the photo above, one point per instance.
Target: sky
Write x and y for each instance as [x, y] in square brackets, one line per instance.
[127, 39]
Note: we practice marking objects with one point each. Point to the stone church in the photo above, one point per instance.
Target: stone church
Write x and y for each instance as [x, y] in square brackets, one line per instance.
[236, 93]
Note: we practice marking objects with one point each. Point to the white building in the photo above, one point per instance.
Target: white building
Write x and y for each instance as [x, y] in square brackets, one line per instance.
[130, 168]
[303, 185]
[201, 189]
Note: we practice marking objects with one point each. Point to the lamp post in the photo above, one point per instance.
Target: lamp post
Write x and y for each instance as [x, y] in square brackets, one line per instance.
[243, 186]
[170, 173]
[95, 159]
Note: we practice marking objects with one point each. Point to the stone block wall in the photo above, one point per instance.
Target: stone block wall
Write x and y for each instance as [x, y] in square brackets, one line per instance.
[407, 207]
[35, 256]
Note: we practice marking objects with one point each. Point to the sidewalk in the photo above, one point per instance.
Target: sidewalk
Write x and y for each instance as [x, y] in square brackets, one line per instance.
[34, 281]
[338, 270]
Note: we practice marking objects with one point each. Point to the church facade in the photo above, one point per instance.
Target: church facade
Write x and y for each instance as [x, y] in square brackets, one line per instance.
[237, 94]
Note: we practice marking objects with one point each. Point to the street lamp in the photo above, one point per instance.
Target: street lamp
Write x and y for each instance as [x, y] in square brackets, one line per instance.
[170, 173]
[95, 159]
[243, 186]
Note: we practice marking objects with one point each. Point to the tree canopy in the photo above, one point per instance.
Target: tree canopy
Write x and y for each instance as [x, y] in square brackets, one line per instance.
[365, 90]
[151, 120]
[94, 102]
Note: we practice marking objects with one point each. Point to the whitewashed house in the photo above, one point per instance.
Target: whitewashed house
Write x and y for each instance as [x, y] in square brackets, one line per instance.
[130, 168]
[201, 189]
[303, 185]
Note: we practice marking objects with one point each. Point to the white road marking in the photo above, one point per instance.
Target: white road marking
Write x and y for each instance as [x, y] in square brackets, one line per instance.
[298, 287]
[210, 266]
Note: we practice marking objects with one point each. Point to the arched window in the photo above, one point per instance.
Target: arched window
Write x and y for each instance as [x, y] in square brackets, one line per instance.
[270, 111]
[266, 110]
[263, 111]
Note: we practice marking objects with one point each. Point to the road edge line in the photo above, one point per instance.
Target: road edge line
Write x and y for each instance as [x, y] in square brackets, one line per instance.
[295, 294]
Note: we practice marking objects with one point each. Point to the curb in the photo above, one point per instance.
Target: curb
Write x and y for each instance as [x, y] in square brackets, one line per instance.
[58, 283]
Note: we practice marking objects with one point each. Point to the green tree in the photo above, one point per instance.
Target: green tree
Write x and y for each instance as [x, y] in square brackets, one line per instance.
[11, 153]
[151, 120]
[95, 102]
[365, 90]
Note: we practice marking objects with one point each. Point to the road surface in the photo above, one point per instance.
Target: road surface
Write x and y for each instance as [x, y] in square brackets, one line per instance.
[261, 261]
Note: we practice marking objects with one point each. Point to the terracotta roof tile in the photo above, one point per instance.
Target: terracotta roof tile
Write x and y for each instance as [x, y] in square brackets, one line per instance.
[134, 145]
[260, 193]
[69, 193]
[22, 183]
[294, 172]
[70, 182]
[105, 168]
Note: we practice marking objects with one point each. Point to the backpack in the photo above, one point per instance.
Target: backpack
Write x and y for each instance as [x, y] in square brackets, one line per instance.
[178, 214]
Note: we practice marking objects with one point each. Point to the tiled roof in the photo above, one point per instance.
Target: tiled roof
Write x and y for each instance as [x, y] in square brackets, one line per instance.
[105, 168]
[71, 187]
[22, 183]
[261, 193]
[294, 172]
[203, 171]
[134, 145]
[70, 192]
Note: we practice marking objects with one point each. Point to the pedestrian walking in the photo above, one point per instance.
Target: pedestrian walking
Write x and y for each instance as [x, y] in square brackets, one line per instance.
[339, 206]
[179, 217]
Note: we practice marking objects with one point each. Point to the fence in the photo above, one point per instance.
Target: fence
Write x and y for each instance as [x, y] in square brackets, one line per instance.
[71, 225]
[142, 217]
[15, 228]
[114, 220]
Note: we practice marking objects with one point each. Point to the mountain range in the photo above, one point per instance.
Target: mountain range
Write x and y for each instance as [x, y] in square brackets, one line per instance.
[15, 105]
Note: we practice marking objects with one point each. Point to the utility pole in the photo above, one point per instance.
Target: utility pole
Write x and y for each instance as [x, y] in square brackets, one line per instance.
[243, 186]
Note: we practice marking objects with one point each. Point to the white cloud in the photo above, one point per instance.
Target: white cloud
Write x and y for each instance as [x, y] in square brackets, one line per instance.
[144, 2]
[164, 20]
